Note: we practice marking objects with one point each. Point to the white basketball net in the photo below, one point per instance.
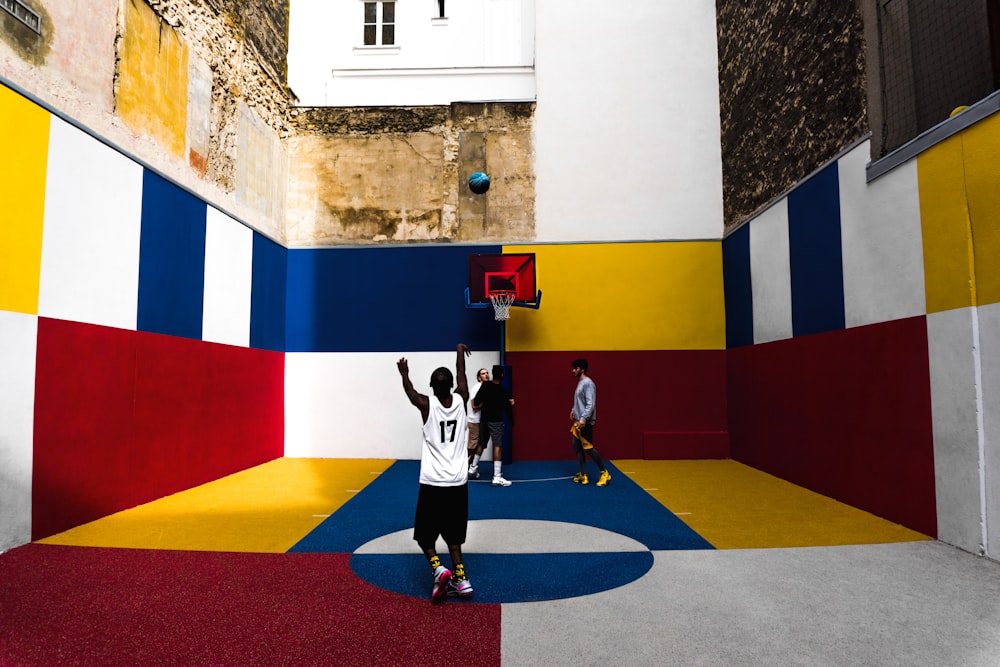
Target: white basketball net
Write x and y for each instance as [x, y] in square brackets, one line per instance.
[501, 304]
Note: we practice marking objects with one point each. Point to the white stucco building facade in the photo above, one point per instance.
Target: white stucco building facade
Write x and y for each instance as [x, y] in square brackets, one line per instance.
[626, 135]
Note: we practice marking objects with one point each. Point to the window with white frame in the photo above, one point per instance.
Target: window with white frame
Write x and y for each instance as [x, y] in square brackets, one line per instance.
[380, 23]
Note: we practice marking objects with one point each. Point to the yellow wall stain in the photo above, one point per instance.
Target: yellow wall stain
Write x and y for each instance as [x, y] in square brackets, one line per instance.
[153, 80]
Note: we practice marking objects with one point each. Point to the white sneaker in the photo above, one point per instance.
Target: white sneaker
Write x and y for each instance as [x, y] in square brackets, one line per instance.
[442, 576]
[462, 589]
[473, 472]
[498, 480]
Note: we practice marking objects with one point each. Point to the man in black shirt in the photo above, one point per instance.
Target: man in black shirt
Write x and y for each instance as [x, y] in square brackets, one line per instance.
[494, 401]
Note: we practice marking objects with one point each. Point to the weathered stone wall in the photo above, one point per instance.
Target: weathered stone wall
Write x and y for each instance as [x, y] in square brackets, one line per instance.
[264, 26]
[792, 94]
[197, 90]
[234, 53]
[381, 175]
[245, 43]
[71, 64]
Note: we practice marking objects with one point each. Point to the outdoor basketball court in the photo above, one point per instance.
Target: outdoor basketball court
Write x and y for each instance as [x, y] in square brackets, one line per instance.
[311, 561]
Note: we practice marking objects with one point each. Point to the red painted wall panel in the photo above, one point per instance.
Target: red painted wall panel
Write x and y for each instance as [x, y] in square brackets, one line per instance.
[679, 445]
[125, 417]
[637, 392]
[846, 414]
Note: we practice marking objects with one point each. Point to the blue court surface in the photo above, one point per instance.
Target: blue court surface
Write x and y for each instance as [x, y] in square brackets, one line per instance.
[518, 535]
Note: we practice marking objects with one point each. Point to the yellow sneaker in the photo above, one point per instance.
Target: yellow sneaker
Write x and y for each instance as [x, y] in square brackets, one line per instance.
[604, 479]
[581, 478]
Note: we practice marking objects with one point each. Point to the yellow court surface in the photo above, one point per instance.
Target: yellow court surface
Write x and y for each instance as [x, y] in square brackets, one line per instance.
[265, 509]
[269, 508]
[734, 506]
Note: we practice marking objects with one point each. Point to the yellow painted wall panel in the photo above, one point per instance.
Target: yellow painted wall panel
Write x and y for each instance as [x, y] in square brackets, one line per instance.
[152, 92]
[24, 135]
[624, 296]
[981, 148]
[945, 227]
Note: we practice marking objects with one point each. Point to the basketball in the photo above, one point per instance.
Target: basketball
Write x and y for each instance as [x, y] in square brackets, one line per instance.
[479, 182]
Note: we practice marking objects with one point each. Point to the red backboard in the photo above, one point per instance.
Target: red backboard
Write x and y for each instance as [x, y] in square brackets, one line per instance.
[514, 272]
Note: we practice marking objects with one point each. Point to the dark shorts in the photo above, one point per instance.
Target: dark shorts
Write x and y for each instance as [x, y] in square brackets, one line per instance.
[494, 432]
[588, 433]
[441, 511]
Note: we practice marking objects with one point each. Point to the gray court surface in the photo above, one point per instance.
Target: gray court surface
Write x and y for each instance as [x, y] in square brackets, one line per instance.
[913, 604]
[513, 536]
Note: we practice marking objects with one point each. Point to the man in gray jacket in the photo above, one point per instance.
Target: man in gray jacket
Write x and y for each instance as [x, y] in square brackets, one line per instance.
[584, 415]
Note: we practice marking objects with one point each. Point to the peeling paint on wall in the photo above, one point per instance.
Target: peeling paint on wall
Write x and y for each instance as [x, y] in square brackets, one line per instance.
[33, 47]
[199, 115]
[153, 78]
[261, 166]
[396, 175]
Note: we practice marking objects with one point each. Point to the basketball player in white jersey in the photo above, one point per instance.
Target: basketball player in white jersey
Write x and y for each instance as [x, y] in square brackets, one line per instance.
[443, 499]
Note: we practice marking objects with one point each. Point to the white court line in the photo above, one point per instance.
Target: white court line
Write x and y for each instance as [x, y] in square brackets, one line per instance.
[486, 478]
[654, 489]
[321, 516]
[682, 513]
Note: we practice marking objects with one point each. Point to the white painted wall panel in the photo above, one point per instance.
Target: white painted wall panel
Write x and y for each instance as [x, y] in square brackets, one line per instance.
[881, 240]
[90, 241]
[770, 274]
[311, 26]
[989, 338]
[627, 135]
[329, 65]
[18, 336]
[426, 87]
[954, 409]
[627, 139]
[228, 279]
[352, 405]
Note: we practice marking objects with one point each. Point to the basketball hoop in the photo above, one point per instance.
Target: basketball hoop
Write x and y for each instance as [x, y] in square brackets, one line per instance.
[502, 299]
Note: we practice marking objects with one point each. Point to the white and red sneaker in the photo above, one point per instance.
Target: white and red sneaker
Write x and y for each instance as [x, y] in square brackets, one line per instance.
[442, 576]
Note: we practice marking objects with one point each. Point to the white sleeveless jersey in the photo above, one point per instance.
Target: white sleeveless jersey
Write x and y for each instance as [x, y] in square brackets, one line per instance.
[444, 459]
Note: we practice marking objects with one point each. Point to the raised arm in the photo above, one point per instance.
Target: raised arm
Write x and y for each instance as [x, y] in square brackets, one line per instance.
[416, 398]
[462, 351]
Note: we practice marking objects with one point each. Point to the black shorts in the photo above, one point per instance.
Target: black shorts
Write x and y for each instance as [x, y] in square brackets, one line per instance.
[494, 434]
[588, 434]
[441, 511]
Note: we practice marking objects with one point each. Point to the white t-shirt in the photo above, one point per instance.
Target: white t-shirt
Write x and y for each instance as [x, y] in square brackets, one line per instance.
[444, 456]
[473, 413]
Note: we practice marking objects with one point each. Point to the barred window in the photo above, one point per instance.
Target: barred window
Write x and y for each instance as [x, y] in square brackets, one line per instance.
[926, 59]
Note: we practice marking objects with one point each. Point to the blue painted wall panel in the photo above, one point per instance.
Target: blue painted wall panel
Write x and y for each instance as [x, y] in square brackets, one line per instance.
[171, 259]
[384, 299]
[816, 259]
[268, 294]
[737, 288]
